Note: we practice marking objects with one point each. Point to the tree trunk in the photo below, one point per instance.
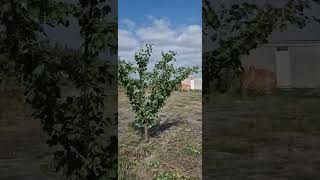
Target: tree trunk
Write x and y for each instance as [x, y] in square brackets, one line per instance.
[146, 136]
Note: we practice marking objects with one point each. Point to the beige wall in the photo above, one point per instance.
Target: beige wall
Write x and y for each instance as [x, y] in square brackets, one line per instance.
[261, 58]
[305, 64]
[198, 83]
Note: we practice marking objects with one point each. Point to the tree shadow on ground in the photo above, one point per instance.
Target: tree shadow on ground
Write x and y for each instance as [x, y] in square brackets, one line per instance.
[156, 130]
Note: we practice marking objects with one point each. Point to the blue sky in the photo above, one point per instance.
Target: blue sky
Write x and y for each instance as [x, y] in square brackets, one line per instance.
[168, 24]
[178, 11]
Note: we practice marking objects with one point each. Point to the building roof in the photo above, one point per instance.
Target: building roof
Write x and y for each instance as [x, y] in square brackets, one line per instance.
[293, 43]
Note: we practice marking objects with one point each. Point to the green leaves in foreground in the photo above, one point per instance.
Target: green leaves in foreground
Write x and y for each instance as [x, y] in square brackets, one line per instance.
[149, 91]
[77, 128]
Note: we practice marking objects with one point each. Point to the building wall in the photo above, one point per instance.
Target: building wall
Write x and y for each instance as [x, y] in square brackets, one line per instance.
[198, 83]
[261, 58]
[259, 69]
[305, 64]
[186, 84]
[185, 87]
[253, 78]
[304, 60]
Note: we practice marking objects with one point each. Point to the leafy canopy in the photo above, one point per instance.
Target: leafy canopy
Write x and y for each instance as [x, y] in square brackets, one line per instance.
[75, 123]
[148, 92]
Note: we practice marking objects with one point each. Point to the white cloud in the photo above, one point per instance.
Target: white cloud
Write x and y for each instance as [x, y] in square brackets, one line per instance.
[126, 41]
[129, 24]
[185, 40]
[158, 32]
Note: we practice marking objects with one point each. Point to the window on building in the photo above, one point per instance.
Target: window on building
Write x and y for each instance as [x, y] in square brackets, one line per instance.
[282, 48]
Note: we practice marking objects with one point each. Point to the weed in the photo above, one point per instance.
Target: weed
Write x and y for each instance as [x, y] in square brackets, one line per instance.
[161, 172]
[190, 149]
[125, 166]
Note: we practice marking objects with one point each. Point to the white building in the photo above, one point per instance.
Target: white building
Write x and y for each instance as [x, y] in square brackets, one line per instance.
[194, 83]
[295, 64]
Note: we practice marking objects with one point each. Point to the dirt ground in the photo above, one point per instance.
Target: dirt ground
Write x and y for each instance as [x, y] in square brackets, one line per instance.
[174, 150]
[265, 137]
[24, 154]
[22, 143]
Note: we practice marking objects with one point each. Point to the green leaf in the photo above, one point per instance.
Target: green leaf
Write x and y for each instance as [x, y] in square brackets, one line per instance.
[39, 70]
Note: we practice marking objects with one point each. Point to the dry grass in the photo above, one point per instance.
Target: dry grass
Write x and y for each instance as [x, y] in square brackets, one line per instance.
[267, 137]
[174, 152]
[22, 144]
[23, 151]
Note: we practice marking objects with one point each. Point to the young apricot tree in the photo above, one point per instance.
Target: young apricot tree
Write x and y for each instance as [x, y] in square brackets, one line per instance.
[149, 91]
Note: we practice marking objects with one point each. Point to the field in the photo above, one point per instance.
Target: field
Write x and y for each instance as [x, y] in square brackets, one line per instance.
[175, 146]
[266, 137]
[174, 150]
[24, 155]
[23, 152]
